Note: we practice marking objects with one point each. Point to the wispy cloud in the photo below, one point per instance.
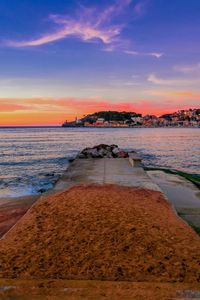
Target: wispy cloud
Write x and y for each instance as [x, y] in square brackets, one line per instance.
[175, 94]
[160, 81]
[88, 25]
[188, 69]
[70, 107]
[112, 11]
[135, 53]
[156, 54]
[157, 80]
[91, 24]
[58, 105]
[84, 31]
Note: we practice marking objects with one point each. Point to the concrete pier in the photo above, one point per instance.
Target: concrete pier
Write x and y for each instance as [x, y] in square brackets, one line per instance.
[105, 171]
[129, 172]
[183, 194]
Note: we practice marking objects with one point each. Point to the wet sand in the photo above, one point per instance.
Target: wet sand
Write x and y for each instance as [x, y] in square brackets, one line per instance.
[12, 209]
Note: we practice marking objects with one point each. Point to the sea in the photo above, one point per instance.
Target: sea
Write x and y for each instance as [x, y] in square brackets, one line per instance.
[33, 158]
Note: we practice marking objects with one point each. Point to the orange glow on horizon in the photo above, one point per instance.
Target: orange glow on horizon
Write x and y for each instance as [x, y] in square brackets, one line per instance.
[49, 111]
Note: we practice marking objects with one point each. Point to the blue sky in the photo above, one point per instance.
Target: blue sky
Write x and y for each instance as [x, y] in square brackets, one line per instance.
[140, 53]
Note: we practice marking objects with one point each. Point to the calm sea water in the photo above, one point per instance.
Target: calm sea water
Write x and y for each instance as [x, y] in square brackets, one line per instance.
[32, 159]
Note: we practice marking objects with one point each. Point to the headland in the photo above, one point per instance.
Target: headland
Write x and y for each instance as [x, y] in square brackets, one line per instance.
[116, 119]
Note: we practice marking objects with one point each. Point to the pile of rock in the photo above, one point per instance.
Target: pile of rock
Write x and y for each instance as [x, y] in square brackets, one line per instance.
[102, 150]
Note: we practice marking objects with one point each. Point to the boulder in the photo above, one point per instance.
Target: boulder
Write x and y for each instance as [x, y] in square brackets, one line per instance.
[81, 155]
[122, 154]
[115, 150]
[103, 150]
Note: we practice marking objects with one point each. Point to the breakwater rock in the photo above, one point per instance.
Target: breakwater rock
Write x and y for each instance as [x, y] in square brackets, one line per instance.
[103, 150]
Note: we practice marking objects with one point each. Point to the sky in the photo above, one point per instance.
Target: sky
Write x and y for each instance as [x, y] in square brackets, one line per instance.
[60, 59]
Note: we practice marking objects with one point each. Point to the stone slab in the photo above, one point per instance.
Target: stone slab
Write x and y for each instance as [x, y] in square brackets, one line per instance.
[104, 171]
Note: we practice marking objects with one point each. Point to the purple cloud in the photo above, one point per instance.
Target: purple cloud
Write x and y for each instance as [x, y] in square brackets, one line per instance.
[84, 31]
[113, 10]
[89, 25]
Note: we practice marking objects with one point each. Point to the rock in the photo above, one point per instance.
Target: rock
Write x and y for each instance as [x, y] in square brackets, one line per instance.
[42, 191]
[102, 146]
[81, 155]
[71, 159]
[103, 150]
[85, 151]
[115, 150]
[109, 155]
[122, 154]
[95, 153]
[113, 146]
[49, 174]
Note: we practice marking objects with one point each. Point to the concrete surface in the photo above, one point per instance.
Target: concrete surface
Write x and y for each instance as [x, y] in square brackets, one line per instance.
[104, 171]
[183, 194]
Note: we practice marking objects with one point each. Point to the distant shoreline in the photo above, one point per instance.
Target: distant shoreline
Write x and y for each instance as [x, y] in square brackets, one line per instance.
[102, 127]
[129, 127]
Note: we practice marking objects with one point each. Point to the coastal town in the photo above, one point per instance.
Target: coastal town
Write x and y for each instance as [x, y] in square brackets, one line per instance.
[181, 118]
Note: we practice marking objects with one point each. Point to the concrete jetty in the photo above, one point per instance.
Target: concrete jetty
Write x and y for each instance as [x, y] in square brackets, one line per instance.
[106, 164]
[111, 168]
[128, 171]
[183, 195]
[120, 171]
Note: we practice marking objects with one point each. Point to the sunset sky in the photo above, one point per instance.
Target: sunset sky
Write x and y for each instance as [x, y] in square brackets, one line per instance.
[60, 59]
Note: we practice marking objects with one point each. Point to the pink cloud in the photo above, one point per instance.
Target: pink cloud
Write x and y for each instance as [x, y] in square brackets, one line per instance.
[84, 31]
[113, 10]
[90, 24]
[69, 108]
[10, 106]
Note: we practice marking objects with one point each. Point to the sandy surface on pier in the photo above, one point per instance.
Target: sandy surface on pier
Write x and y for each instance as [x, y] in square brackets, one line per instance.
[102, 233]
